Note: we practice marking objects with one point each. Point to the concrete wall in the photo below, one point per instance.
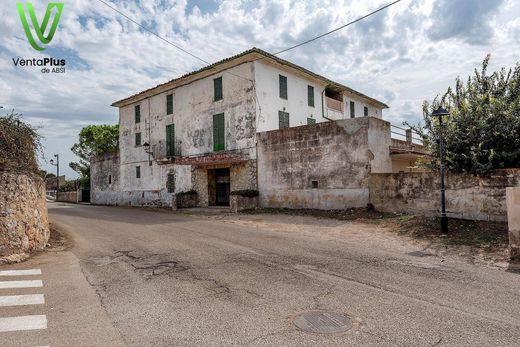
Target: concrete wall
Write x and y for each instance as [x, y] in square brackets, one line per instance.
[269, 101]
[337, 156]
[24, 225]
[467, 196]
[513, 220]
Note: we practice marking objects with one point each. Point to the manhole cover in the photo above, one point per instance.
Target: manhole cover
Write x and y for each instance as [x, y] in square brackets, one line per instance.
[322, 322]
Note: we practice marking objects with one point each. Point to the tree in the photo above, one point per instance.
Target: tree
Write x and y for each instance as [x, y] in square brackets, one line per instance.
[94, 140]
[20, 145]
[483, 131]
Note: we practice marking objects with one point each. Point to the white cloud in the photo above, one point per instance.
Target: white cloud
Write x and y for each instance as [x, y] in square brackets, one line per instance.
[404, 55]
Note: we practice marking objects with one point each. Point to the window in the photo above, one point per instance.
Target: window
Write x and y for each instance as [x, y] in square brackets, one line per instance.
[283, 86]
[137, 172]
[352, 109]
[219, 140]
[169, 104]
[283, 118]
[217, 89]
[109, 179]
[314, 184]
[170, 182]
[170, 140]
[137, 110]
[365, 111]
[138, 139]
[311, 121]
[310, 95]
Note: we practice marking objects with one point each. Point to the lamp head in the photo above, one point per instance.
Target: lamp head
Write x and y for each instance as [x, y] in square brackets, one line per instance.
[440, 112]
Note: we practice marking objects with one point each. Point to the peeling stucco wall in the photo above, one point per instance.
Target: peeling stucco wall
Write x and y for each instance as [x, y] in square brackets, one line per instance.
[323, 166]
[467, 196]
[24, 225]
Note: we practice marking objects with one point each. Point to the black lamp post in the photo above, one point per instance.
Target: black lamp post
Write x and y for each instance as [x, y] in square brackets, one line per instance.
[57, 156]
[444, 219]
[146, 147]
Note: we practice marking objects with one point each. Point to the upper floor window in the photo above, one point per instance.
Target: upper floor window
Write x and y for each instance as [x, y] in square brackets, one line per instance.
[283, 119]
[138, 139]
[365, 111]
[137, 113]
[219, 133]
[137, 172]
[170, 140]
[352, 109]
[217, 89]
[169, 104]
[282, 81]
[310, 95]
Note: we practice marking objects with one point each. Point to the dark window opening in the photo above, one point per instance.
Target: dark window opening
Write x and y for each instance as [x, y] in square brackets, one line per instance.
[365, 111]
[138, 139]
[137, 172]
[137, 112]
[283, 119]
[282, 80]
[169, 104]
[170, 182]
[217, 89]
[352, 110]
[109, 179]
[310, 95]
[329, 93]
[314, 184]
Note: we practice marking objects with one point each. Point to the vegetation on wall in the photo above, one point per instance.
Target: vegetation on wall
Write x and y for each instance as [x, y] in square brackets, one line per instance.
[20, 145]
[483, 131]
[94, 140]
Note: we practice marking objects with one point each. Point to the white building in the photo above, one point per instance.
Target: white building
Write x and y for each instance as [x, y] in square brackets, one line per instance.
[198, 132]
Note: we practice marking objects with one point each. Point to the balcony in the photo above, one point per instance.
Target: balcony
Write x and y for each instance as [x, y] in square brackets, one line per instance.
[405, 142]
[333, 104]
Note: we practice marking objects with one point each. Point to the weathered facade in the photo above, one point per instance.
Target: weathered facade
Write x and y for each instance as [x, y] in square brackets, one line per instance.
[199, 132]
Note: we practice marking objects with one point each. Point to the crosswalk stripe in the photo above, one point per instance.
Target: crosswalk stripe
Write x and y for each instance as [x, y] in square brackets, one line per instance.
[21, 284]
[21, 300]
[23, 323]
[30, 272]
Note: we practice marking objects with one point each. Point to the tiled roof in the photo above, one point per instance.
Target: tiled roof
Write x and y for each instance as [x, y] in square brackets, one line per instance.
[135, 97]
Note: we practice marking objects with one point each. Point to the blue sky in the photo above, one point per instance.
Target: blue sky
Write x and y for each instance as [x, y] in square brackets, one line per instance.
[402, 56]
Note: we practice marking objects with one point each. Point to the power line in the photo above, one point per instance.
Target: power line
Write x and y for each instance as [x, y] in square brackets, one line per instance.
[338, 28]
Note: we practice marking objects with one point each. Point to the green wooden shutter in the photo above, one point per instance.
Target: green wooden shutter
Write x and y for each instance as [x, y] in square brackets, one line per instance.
[283, 86]
[311, 121]
[352, 110]
[310, 95]
[283, 119]
[138, 139]
[170, 140]
[219, 139]
[217, 89]
[137, 110]
[169, 104]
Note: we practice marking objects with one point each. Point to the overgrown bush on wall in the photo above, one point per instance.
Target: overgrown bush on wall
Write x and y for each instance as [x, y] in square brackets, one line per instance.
[483, 131]
[20, 145]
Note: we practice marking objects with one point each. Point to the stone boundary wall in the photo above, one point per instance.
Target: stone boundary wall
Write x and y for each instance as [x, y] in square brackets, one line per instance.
[68, 197]
[24, 225]
[467, 196]
[513, 221]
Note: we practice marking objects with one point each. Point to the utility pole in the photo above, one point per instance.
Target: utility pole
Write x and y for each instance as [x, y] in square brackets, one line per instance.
[57, 156]
[440, 112]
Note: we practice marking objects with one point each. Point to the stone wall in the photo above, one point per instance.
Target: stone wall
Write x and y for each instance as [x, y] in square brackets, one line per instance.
[68, 197]
[323, 166]
[513, 220]
[467, 196]
[24, 225]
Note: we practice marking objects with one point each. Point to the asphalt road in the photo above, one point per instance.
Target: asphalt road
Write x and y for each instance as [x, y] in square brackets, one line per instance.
[170, 279]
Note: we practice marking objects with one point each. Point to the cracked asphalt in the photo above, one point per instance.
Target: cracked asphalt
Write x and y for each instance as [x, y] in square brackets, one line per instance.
[174, 279]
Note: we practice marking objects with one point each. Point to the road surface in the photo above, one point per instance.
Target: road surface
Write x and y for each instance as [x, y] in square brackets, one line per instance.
[172, 279]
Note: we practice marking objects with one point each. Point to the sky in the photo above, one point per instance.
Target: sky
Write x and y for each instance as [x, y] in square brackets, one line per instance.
[402, 56]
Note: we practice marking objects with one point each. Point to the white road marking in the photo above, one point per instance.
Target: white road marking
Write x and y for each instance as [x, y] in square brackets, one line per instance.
[21, 300]
[23, 323]
[21, 284]
[30, 272]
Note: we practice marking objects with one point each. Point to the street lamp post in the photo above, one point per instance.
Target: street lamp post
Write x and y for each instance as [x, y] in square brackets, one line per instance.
[57, 156]
[440, 112]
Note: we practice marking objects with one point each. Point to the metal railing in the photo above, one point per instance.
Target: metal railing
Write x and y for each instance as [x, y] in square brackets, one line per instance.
[405, 134]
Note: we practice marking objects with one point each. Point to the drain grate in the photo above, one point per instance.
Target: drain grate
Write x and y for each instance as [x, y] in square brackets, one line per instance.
[322, 322]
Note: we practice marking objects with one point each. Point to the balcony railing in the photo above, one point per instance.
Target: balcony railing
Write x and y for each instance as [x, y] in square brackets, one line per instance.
[334, 104]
